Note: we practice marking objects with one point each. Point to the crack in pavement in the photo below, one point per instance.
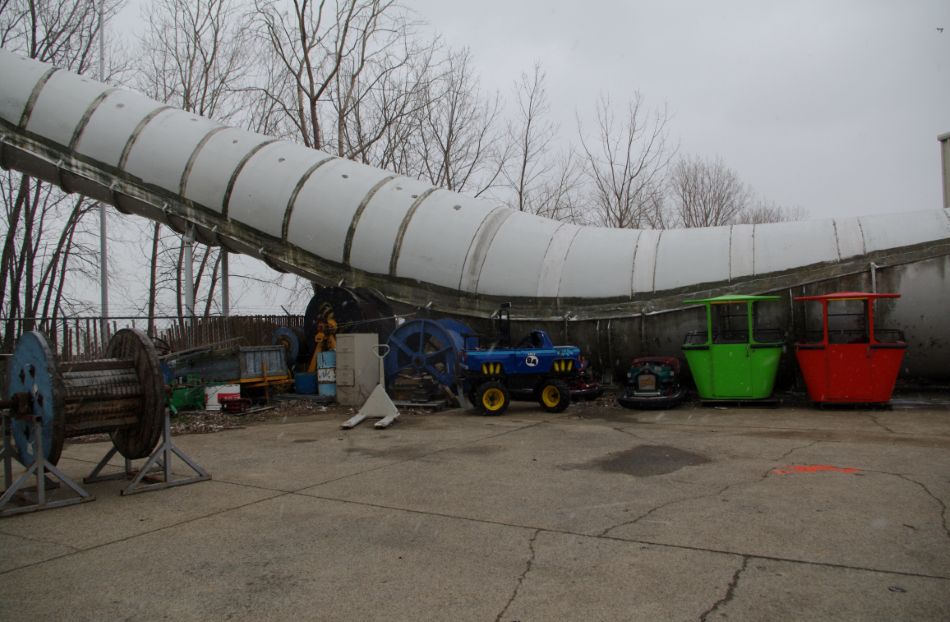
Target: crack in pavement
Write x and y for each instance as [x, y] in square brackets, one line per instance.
[40, 540]
[629, 433]
[144, 533]
[539, 529]
[720, 492]
[670, 545]
[794, 449]
[715, 427]
[524, 574]
[878, 423]
[940, 502]
[730, 590]
[280, 493]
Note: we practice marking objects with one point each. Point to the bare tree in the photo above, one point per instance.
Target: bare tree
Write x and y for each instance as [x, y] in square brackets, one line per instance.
[531, 137]
[399, 126]
[627, 163]
[707, 193]
[459, 146]
[195, 56]
[380, 85]
[762, 211]
[330, 54]
[43, 238]
[540, 177]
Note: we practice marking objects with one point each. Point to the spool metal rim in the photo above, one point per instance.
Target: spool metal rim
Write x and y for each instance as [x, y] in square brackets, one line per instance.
[32, 369]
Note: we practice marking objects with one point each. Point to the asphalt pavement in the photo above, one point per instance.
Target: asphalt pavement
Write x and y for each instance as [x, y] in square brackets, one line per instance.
[598, 513]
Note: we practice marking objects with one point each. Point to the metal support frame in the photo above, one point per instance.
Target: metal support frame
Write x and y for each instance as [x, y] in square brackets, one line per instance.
[157, 467]
[378, 405]
[38, 471]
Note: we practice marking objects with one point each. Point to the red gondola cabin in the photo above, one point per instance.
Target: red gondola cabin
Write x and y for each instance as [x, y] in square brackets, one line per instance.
[850, 362]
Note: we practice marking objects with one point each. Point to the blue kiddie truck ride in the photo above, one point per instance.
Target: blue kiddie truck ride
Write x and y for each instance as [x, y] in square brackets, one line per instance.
[534, 366]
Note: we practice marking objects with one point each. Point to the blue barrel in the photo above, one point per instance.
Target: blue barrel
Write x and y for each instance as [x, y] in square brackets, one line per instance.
[305, 383]
[326, 372]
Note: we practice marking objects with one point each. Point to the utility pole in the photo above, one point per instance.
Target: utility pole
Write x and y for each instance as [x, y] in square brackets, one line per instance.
[225, 293]
[103, 244]
[188, 244]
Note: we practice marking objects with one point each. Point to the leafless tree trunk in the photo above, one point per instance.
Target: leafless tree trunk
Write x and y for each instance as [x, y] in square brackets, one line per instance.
[195, 56]
[310, 41]
[626, 163]
[40, 246]
[459, 147]
[531, 137]
[541, 180]
[381, 88]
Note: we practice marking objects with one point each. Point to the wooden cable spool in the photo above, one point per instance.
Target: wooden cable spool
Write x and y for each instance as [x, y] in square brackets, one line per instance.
[122, 395]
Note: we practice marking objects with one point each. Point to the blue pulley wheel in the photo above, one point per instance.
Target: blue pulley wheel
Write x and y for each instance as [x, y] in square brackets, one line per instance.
[426, 347]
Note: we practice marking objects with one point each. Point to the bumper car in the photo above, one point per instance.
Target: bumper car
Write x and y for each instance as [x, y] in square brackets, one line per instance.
[653, 382]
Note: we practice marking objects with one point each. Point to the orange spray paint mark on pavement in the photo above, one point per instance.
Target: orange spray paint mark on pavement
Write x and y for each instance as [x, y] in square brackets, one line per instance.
[813, 468]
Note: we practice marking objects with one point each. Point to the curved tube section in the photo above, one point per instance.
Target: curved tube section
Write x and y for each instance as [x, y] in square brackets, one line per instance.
[327, 218]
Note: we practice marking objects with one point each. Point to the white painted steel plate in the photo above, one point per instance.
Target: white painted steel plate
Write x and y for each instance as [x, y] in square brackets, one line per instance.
[692, 256]
[326, 204]
[885, 231]
[644, 261]
[850, 237]
[599, 264]
[478, 250]
[786, 245]
[515, 258]
[61, 106]
[554, 258]
[379, 225]
[215, 163]
[265, 185]
[112, 123]
[164, 147]
[741, 251]
[439, 236]
[20, 76]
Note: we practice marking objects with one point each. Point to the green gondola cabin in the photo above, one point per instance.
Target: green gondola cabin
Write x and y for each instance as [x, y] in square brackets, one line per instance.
[734, 358]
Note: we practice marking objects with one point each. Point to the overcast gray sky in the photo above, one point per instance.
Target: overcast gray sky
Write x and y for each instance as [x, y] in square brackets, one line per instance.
[833, 106]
